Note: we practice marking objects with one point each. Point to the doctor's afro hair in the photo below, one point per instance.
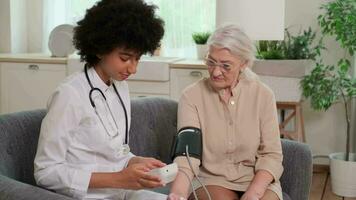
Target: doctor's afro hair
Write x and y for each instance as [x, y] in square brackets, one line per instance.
[111, 24]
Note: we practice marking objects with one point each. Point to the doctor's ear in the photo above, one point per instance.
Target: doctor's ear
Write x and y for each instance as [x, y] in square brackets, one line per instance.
[99, 56]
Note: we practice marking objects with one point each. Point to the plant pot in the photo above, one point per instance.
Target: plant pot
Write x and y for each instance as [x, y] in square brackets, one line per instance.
[343, 174]
[283, 68]
[283, 77]
[202, 50]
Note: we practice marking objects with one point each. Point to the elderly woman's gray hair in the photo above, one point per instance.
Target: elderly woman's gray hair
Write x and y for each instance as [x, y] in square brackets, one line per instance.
[233, 38]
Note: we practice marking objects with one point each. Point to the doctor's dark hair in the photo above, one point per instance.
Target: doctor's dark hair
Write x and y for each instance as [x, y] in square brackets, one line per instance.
[110, 24]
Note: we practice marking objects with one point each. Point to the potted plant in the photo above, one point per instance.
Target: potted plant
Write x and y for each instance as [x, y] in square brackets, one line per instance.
[200, 40]
[291, 57]
[329, 84]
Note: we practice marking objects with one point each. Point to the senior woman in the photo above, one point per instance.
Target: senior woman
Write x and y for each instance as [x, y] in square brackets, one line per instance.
[237, 115]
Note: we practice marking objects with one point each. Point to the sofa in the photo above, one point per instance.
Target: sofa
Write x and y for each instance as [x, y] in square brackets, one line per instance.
[153, 126]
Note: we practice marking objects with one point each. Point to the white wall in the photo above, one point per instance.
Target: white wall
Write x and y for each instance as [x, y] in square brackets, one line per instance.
[325, 131]
[258, 22]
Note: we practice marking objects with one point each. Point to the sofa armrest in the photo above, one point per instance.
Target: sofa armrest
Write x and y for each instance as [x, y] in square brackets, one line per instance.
[297, 175]
[11, 189]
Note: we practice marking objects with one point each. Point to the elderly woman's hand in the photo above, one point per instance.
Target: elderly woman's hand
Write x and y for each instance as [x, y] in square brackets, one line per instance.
[258, 186]
[173, 196]
[250, 195]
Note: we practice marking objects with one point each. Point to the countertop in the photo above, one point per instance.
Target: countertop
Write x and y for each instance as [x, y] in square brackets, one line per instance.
[32, 58]
[46, 58]
[188, 64]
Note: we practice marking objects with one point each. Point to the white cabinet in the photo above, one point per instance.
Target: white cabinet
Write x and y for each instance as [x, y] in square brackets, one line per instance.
[150, 80]
[141, 95]
[27, 86]
[148, 88]
[27, 81]
[181, 78]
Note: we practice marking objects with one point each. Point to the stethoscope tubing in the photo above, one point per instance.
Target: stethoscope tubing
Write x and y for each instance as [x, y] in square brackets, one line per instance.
[103, 95]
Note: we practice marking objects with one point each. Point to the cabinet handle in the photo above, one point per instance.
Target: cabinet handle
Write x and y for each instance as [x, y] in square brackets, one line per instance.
[196, 74]
[33, 67]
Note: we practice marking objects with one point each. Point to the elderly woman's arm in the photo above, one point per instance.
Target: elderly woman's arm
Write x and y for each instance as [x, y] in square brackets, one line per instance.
[258, 186]
[187, 117]
[185, 175]
[268, 166]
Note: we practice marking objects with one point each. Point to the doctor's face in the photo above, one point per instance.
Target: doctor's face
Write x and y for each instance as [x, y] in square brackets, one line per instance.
[119, 64]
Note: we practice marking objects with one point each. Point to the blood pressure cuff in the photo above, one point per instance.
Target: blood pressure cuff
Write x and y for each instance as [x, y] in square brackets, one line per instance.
[190, 136]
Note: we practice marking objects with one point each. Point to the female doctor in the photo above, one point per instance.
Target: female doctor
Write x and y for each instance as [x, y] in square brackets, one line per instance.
[83, 147]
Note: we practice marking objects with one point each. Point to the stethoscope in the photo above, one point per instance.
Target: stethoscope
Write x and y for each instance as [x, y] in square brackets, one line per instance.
[125, 148]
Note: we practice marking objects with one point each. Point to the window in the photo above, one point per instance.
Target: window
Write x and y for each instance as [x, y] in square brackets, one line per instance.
[56, 12]
[182, 18]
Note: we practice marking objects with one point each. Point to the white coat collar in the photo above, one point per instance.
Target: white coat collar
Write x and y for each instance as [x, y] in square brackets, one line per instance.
[97, 81]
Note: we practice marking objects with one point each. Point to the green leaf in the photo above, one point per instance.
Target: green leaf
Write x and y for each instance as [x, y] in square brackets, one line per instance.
[339, 20]
[201, 38]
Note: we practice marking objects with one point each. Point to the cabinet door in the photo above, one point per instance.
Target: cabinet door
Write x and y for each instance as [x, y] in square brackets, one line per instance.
[143, 95]
[27, 86]
[149, 87]
[140, 89]
[181, 78]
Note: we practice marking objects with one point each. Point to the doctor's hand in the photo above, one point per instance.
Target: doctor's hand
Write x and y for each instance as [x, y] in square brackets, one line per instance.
[135, 176]
[151, 163]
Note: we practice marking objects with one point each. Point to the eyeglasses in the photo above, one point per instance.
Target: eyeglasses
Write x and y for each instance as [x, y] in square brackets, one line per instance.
[224, 67]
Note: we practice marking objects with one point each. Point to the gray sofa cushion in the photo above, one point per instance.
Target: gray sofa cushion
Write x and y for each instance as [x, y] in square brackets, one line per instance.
[18, 144]
[11, 189]
[298, 169]
[153, 126]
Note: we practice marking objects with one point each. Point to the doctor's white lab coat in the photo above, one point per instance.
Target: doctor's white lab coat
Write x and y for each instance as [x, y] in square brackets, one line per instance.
[73, 142]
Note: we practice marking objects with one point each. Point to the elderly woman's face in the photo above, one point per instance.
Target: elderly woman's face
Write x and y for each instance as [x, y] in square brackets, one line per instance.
[223, 67]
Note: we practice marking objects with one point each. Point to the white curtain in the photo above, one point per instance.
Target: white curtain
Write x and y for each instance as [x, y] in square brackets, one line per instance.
[56, 12]
[182, 19]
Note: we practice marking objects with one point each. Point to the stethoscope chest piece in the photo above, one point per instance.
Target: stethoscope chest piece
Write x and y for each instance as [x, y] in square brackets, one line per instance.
[125, 149]
[121, 150]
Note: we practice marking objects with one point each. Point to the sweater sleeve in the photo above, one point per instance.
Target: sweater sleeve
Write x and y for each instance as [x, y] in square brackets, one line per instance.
[187, 117]
[269, 154]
